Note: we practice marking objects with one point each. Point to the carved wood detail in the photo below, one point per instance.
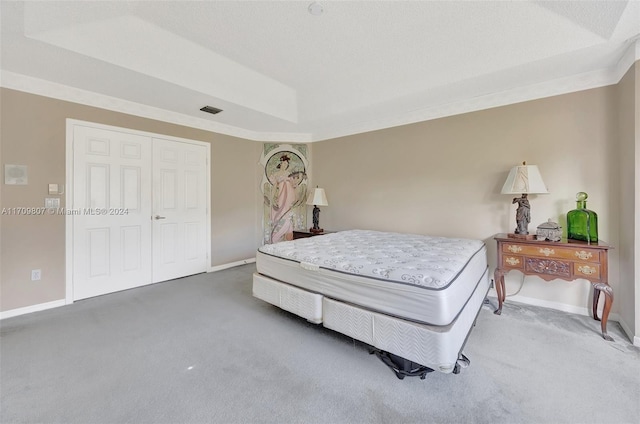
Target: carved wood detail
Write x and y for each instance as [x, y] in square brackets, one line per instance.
[548, 266]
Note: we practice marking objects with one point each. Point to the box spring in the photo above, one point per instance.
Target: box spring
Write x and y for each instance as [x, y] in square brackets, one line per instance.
[436, 347]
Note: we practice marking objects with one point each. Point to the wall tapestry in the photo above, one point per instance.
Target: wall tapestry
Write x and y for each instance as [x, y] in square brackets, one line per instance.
[284, 186]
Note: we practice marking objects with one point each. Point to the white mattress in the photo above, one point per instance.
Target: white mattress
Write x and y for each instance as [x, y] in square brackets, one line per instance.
[414, 277]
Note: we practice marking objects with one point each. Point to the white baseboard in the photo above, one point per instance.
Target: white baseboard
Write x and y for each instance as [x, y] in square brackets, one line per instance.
[580, 310]
[629, 333]
[572, 309]
[56, 303]
[231, 265]
[32, 308]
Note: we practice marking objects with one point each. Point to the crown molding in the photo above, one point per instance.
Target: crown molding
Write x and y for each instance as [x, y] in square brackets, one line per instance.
[54, 90]
[630, 56]
[566, 85]
[574, 83]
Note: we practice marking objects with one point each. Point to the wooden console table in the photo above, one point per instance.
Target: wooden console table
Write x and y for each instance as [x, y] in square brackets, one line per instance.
[567, 260]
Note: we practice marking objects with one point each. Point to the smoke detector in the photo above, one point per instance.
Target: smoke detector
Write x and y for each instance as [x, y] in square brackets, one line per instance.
[316, 9]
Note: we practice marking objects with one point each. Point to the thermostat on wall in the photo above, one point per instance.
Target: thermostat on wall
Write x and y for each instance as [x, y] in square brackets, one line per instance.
[15, 174]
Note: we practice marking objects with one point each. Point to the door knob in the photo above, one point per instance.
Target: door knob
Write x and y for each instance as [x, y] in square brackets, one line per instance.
[159, 217]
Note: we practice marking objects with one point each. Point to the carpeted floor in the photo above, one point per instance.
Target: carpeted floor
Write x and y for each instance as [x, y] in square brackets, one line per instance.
[203, 350]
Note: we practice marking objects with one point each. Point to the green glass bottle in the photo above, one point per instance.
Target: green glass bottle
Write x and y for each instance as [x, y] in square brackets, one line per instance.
[582, 224]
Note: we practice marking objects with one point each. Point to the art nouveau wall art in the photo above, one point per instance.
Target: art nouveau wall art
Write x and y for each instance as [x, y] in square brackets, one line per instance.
[284, 186]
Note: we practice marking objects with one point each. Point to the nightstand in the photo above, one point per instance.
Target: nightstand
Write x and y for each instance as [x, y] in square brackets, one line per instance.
[549, 260]
[305, 234]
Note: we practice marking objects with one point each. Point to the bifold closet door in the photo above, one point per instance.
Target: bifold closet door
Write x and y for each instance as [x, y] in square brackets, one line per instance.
[111, 211]
[139, 210]
[180, 209]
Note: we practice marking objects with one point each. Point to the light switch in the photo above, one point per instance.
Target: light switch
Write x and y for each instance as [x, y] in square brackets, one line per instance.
[53, 188]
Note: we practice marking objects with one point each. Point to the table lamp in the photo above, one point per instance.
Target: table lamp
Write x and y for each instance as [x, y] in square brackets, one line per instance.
[523, 179]
[317, 198]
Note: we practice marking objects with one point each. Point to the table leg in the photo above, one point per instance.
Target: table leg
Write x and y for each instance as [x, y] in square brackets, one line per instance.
[596, 297]
[498, 280]
[608, 301]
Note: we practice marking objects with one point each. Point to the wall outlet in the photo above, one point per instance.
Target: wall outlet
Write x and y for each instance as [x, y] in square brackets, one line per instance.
[36, 274]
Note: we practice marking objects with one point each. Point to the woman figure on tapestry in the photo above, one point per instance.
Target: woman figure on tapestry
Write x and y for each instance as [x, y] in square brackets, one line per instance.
[284, 198]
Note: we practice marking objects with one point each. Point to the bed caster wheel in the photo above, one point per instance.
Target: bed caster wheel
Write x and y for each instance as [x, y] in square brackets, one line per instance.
[400, 376]
[423, 376]
[463, 361]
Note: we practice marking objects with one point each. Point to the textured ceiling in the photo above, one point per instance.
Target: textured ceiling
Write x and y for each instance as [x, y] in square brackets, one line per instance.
[280, 73]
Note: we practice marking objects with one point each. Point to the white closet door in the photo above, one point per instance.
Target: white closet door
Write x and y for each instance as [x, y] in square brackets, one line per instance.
[112, 210]
[179, 209]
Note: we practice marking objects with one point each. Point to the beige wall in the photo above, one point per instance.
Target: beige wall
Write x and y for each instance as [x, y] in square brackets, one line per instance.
[443, 177]
[33, 133]
[626, 297]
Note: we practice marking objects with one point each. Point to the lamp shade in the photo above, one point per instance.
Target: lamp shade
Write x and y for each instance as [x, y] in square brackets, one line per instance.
[524, 179]
[317, 198]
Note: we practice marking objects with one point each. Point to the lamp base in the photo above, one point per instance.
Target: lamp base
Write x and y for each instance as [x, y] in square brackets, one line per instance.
[522, 236]
[314, 231]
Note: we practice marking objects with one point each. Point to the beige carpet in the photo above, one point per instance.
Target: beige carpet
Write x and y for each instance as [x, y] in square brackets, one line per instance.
[203, 350]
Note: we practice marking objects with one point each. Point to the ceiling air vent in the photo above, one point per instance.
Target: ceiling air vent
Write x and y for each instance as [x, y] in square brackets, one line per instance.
[211, 109]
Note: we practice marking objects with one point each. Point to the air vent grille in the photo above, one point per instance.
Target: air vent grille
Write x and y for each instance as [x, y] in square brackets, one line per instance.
[211, 109]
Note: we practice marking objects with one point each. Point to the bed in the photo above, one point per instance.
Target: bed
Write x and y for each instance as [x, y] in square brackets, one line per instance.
[410, 297]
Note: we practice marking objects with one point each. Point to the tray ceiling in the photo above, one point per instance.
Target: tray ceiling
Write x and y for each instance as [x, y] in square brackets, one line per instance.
[281, 73]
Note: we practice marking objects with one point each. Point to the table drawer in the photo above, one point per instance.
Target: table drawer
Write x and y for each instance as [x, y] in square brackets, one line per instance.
[512, 262]
[582, 254]
[586, 270]
[548, 267]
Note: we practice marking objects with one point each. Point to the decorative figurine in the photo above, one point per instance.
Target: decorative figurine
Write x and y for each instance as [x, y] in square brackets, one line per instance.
[523, 214]
[316, 221]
